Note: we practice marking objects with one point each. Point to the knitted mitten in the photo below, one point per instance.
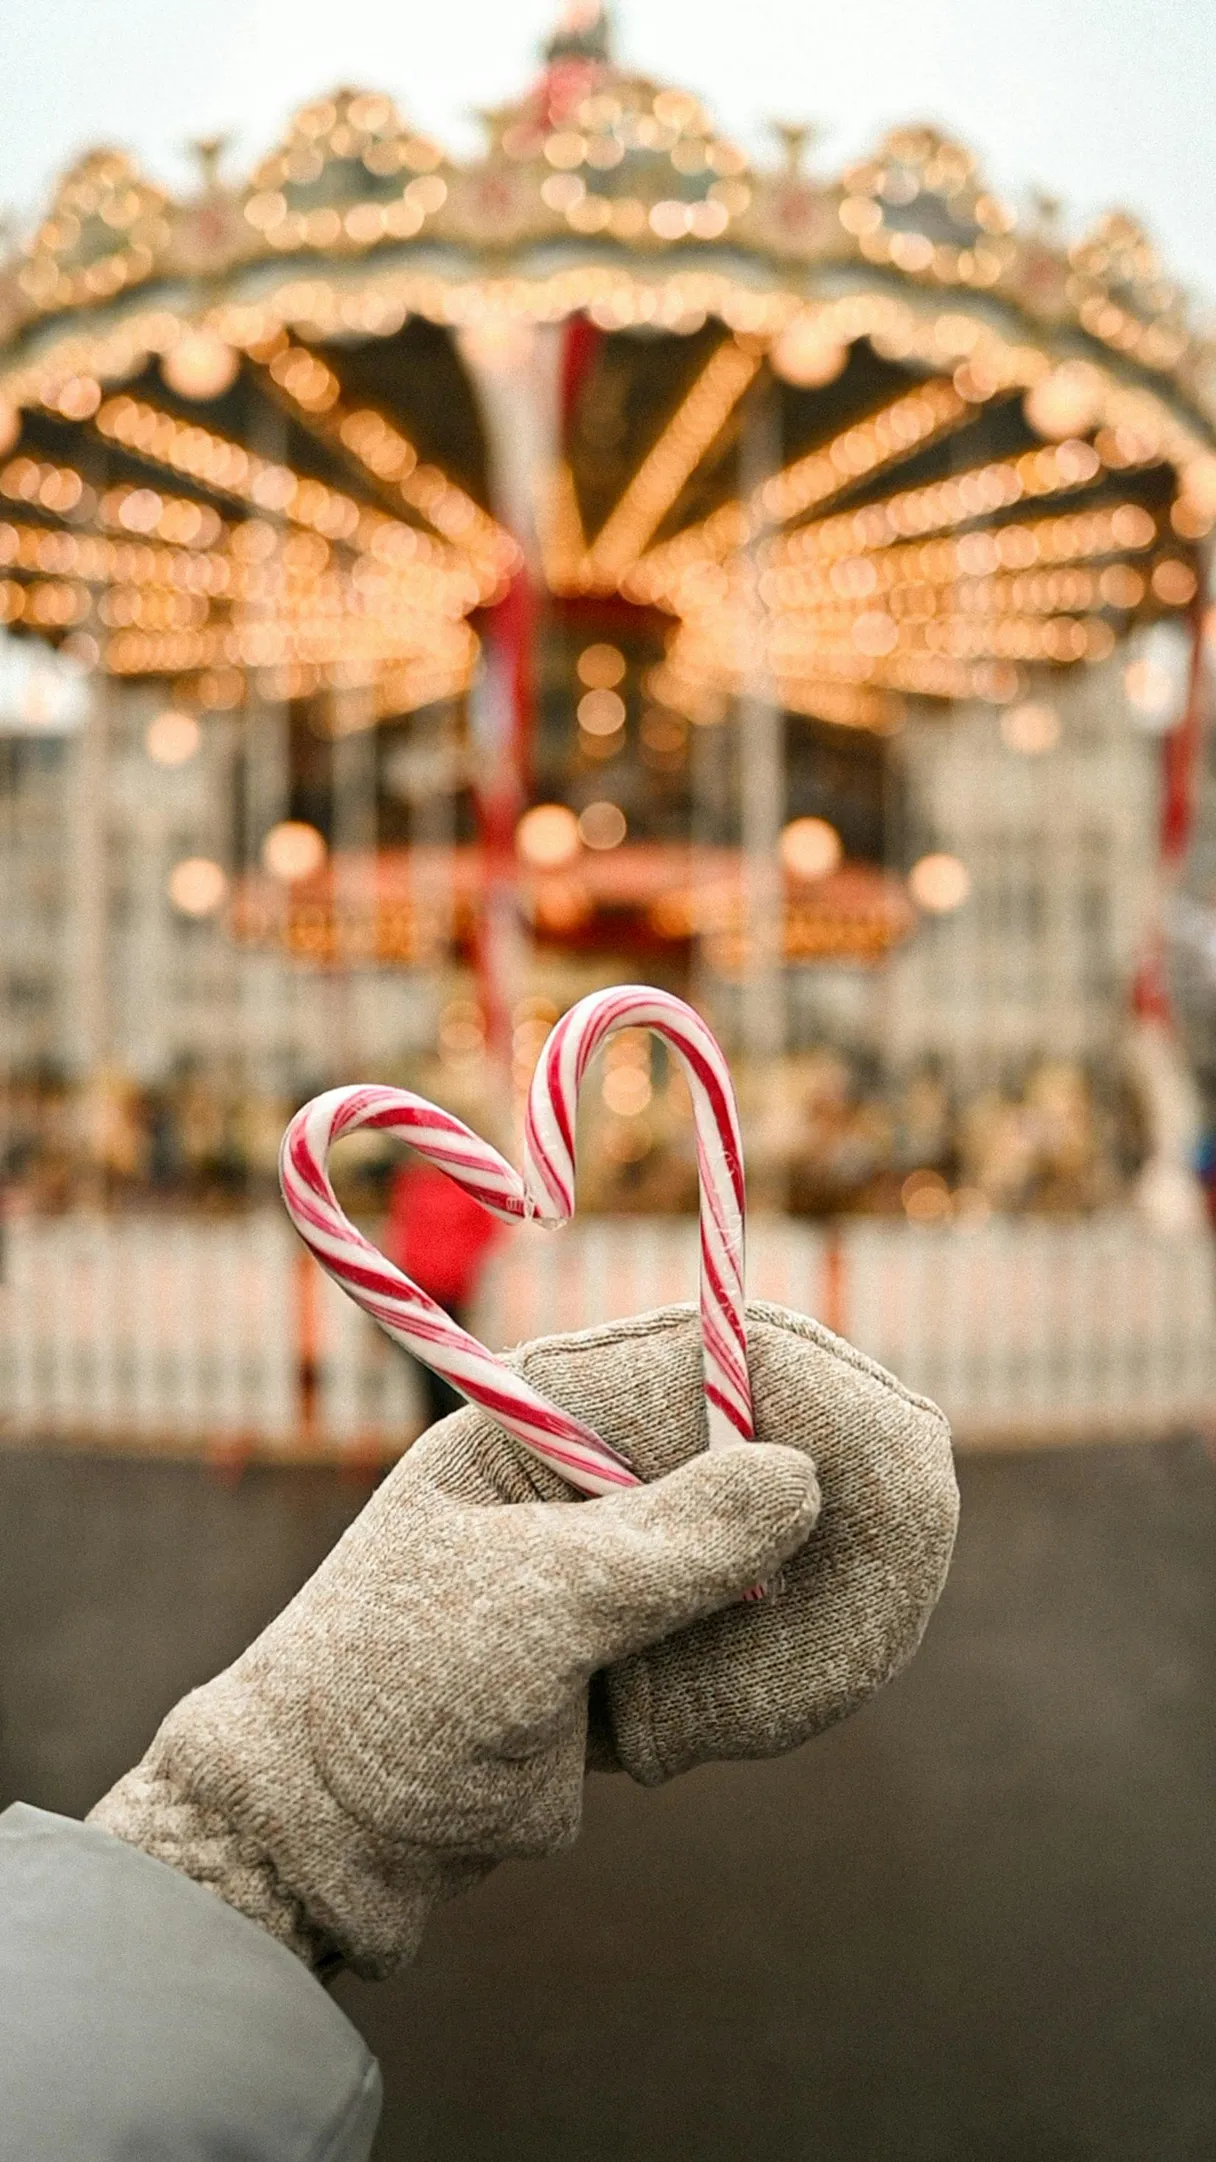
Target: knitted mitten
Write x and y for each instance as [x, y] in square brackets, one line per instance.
[421, 1709]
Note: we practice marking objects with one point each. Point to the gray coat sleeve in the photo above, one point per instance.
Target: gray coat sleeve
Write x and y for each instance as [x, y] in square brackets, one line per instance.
[139, 2015]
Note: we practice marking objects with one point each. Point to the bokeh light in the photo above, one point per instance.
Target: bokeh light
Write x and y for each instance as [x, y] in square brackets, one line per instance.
[627, 1090]
[547, 836]
[925, 1197]
[197, 886]
[939, 883]
[200, 365]
[810, 848]
[1151, 689]
[1067, 402]
[601, 713]
[1174, 582]
[1031, 728]
[172, 738]
[293, 850]
[601, 667]
[804, 357]
[461, 1032]
[602, 825]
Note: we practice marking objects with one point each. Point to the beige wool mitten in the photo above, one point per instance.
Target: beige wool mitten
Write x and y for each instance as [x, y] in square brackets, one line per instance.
[854, 1602]
[420, 1711]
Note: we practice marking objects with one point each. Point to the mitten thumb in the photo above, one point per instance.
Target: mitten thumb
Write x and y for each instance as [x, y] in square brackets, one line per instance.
[639, 1564]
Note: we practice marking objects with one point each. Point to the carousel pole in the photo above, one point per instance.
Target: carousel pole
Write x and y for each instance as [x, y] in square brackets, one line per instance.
[431, 854]
[87, 974]
[13, 905]
[500, 724]
[276, 1047]
[762, 809]
[353, 781]
[1169, 1188]
[219, 751]
[515, 370]
[265, 977]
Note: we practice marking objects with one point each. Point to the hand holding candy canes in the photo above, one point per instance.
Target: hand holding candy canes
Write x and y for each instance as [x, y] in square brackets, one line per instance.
[546, 1192]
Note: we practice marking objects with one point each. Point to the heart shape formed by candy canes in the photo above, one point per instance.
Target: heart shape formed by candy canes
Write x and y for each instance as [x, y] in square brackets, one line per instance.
[546, 1193]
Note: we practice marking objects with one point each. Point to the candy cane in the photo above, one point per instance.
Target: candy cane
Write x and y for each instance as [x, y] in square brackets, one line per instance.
[546, 1191]
[401, 1307]
[549, 1131]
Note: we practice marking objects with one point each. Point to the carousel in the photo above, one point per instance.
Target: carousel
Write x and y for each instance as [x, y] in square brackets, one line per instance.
[611, 557]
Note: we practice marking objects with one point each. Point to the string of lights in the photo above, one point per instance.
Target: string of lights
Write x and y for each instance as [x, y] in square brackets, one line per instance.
[906, 424]
[380, 450]
[416, 585]
[813, 680]
[98, 561]
[692, 429]
[939, 506]
[1073, 537]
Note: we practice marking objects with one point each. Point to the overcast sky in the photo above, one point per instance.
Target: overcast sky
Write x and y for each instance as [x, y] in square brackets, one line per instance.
[1097, 101]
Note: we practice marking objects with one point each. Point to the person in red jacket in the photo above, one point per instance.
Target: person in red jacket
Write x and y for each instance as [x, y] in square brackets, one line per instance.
[442, 1238]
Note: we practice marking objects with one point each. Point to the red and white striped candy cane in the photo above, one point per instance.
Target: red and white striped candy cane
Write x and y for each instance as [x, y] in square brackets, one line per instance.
[546, 1191]
[549, 1132]
[400, 1306]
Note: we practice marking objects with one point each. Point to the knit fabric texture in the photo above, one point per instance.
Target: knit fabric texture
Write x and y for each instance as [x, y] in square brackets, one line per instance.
[428, 1703]
[152, 1812]
[853, 1605]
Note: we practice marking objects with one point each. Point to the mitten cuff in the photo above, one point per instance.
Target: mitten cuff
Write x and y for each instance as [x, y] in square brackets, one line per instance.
[238, 1803]
[149, 1810]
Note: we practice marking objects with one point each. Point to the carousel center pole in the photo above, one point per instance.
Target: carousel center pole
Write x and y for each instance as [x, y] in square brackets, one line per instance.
[514, 369]
[762, 809]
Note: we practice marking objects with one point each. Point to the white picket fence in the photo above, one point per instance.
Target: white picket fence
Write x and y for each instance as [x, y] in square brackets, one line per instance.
[223, 1338]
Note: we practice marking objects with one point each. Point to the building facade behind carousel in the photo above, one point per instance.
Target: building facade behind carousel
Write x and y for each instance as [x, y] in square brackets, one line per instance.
[433, 590]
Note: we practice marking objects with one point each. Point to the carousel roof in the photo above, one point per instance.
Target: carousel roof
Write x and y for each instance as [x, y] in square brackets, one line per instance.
[592, 153]
[904, 439]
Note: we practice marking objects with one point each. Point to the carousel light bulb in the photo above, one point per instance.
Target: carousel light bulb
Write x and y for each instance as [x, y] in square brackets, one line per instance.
[293, 850]
[601, 667]
[810, 848]
[547, 836]
[1174, 582]
[1066, 402]
[1030, 728]
[602, 825]
[197, 886]
[200, 365]
[939, 883]
[1198, 479]
[10, 424]
[601, 713]
[172, 738]
[803, 356]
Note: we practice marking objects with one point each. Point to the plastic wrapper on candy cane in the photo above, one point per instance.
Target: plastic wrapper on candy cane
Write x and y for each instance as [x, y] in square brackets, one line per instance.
[546, 1192]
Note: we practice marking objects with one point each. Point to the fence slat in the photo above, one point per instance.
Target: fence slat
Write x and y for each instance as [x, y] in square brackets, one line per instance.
[161, 1330]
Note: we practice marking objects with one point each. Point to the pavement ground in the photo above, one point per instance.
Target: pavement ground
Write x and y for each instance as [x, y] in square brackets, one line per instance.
[975, 1924]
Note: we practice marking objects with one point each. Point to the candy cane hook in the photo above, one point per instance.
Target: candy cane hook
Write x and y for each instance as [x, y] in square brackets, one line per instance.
[400, 1306]
[549, 1131]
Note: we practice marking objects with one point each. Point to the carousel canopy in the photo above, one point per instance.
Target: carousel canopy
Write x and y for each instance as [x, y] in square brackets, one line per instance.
[845, 438]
